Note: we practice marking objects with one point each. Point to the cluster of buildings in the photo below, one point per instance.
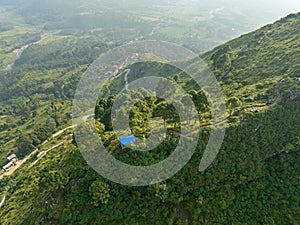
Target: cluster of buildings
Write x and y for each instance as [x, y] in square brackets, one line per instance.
[12, 162]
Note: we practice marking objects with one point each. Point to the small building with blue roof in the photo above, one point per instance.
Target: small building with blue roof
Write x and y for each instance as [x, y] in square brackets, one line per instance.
[127, 140]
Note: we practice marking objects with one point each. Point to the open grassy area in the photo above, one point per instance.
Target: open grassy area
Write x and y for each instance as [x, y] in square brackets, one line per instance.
[173, 32]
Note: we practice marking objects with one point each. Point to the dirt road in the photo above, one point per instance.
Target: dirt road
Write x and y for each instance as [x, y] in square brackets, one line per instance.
[21, 162]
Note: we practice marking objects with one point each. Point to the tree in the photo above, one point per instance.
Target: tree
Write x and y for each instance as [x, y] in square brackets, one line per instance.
[164, 110]
[24, 145]
[100, 127]
[99, 191]
[233, 103]
[44, 131]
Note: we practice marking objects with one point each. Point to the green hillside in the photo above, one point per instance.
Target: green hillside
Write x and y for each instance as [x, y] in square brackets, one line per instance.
[254, 180]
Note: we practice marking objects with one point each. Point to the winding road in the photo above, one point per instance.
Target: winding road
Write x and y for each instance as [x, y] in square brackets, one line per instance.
[19, 52]
[62, 131]
[126, 78]
[45, 152]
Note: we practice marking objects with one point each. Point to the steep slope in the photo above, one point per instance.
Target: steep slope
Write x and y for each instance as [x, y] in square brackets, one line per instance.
[266, 55]
[254, 180]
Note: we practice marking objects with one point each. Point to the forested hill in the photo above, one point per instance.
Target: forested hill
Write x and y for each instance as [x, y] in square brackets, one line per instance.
[254, 180]
[269, 53]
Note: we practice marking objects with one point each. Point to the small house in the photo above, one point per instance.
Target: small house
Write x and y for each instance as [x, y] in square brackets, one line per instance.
[7, 166]
[126, 140]
[12, 157]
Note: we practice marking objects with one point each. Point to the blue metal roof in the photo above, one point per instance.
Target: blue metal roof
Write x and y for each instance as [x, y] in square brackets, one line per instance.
[126, 140]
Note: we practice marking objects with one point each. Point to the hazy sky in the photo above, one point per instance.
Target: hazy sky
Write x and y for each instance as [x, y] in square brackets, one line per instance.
[262, 11]
[275, 6]
[272, 7]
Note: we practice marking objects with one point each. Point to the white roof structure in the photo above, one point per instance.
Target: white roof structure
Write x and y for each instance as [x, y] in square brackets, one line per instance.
[12, 156]
[2, 202]
[41, 154]
[8, 165]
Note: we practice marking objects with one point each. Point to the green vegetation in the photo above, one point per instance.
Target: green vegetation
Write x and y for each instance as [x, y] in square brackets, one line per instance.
[254, 180]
